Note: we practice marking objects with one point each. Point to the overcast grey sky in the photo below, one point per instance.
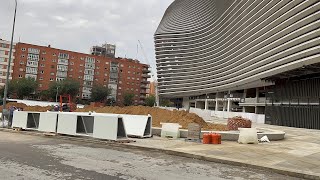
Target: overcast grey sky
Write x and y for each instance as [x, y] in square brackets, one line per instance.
[76, 25]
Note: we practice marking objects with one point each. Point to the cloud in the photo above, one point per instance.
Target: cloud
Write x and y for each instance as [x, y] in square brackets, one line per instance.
[78, 24]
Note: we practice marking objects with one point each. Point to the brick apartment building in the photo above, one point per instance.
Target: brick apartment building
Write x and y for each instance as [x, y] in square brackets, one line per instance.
[47, 64]
[4, 60]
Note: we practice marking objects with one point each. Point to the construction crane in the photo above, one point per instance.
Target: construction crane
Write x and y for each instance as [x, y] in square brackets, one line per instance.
[152, 74]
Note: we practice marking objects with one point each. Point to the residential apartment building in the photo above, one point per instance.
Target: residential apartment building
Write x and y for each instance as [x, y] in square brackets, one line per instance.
[105, 50]
[4, 60]
[46, 65]
[257, 59]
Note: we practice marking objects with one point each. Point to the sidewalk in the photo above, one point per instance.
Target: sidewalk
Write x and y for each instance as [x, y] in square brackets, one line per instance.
[297, 155]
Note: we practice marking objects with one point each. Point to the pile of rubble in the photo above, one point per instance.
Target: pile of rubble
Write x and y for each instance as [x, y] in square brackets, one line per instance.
[238, 122]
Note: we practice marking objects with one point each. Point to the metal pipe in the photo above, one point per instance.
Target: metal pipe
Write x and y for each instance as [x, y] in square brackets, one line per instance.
[9, 65]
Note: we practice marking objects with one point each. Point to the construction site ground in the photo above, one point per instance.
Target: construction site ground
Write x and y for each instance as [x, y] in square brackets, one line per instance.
[297, 155]
[29, 155]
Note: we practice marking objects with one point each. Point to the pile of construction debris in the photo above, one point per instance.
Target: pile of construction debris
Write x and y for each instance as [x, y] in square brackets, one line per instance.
[238, 122]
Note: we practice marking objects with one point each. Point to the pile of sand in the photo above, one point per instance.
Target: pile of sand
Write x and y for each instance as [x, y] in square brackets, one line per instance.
[158, 116]
[27, 108]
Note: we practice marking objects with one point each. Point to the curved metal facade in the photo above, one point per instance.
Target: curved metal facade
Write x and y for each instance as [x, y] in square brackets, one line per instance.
[207, 46]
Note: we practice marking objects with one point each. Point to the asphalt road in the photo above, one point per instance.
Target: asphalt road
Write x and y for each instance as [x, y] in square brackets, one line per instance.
[35, 157]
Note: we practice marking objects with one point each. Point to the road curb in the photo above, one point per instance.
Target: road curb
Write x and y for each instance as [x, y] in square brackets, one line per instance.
[170, 152]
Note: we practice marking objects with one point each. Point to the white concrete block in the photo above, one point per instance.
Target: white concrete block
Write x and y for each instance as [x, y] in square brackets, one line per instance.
[48, 121]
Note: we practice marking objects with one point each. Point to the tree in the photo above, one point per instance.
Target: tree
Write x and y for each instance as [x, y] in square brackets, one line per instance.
[150, 101]
[24, 87]
[128, 99]
[10, 89]
[100, 93]
[166, 103]
[68, 86]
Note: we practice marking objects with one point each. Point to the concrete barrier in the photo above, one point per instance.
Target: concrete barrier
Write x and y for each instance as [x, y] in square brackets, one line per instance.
[26, 120]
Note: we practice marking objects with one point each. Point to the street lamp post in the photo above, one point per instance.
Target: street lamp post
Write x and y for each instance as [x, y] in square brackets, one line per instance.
[9, 64]
[57, 93]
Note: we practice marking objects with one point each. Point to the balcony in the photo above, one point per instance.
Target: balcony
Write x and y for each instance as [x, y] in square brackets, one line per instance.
[144, 86]
[146, 76]
[145, 70]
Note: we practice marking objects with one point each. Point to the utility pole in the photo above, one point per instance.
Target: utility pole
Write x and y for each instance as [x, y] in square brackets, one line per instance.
[8, 68]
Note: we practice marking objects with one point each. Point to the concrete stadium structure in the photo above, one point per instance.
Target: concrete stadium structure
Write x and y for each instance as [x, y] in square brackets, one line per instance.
[246, 58]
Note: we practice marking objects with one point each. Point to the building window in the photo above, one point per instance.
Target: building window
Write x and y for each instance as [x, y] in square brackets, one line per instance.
[20, 76]
[54, 54]
[44, 52]
[119, 87]
[70, 75]
[20, 69]
[52, 74]
[23, 49]
[81, 58]
[138, 79]
[129, 72]
[51, 79]
[120, 82]
[98, 61]
[119, 93]
[52, 66]
[41, 78]
[22, 56]
[97, 73]
[54, 60]
[80, 77]
[128, 77]
[71, 63]
[42, 72]
[71, 69]
[107, 62]
[81, 64]
[40, 85]
[42, 65]
[137, 90]
[98, 67]
[129, 66]
[21, 62]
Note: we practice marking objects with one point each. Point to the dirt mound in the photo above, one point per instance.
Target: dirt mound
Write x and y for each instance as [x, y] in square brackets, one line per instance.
[26, 108]
[159, 116]
[18, 105]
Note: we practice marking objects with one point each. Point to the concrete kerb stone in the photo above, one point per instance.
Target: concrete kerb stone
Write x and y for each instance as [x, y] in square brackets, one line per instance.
[221, 160]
